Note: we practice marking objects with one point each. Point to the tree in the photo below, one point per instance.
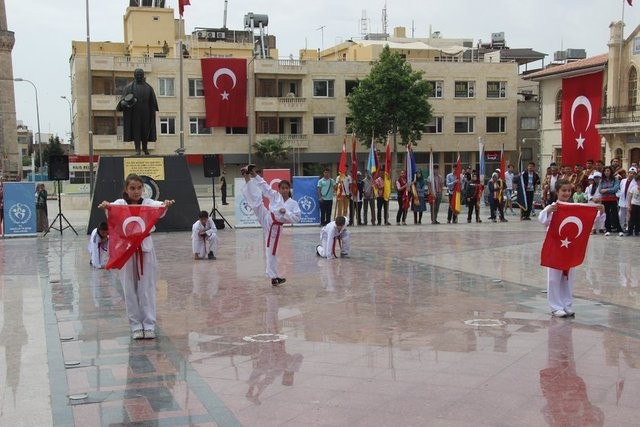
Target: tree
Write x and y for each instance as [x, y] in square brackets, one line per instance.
[391, 99]
[271, 150]
[53, 148]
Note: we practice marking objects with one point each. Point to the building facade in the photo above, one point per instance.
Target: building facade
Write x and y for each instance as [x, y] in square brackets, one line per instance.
[10, 160]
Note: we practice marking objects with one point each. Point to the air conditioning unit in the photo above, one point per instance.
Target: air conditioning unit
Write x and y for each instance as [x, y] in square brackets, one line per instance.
[201, 34]
[211, 35]
[221, 35]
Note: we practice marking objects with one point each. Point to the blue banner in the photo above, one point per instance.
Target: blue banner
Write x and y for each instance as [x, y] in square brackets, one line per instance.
[19, 209]
[306, 194]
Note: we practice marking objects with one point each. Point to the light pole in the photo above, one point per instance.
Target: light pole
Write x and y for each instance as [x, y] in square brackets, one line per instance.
[18, 79]
[70, 120]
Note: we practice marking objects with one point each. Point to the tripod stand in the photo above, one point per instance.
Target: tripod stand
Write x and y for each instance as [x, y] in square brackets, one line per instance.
[215, 210]
[60, 216]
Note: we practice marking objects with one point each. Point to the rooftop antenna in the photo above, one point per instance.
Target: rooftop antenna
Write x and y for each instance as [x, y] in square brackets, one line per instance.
[384, 19]
[321, 29]
[364, 30]
[224, 17]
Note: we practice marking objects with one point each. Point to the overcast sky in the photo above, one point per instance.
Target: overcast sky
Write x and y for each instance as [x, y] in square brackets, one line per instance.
[44, 30]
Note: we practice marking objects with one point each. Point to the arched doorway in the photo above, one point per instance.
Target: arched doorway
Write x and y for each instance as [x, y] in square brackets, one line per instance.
[634, 155]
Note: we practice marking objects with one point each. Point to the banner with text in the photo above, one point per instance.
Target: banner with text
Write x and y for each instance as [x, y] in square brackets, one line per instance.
[306, 194]
[19, 209]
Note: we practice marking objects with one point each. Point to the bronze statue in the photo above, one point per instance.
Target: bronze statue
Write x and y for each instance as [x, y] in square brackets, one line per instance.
[139, 106]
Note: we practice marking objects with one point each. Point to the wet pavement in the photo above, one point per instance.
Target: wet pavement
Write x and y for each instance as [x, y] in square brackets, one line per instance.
[442, 325]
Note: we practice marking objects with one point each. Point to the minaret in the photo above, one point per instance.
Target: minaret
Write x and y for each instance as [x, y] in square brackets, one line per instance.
[10, 156]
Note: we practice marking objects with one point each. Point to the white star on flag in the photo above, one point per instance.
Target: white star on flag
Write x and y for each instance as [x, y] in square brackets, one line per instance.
[580, 140]
[225, 95]
[564, 243]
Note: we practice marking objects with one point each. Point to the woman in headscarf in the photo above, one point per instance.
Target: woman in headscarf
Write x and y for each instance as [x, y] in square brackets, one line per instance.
[418, 199]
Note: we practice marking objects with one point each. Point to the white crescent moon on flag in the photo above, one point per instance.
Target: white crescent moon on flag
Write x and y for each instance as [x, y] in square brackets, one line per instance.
[224, 72]
[275, 181]
[571, 220]
[135, 219]
[581, 100]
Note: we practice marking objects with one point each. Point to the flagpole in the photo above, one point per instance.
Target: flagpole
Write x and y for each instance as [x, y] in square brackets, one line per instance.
[620, 55]
[181, 150]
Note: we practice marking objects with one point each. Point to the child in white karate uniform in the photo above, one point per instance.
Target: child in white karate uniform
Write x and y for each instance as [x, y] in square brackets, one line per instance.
[99, 246]
[335, 240]
[139, 281]
[282, 210]
[204, 233]
[559, 285]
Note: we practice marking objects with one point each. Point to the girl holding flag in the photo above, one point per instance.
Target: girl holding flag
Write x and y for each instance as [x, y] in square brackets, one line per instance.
[133, 253]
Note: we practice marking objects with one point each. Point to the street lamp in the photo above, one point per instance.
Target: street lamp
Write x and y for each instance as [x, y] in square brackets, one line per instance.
[18, 79]
[70, 119]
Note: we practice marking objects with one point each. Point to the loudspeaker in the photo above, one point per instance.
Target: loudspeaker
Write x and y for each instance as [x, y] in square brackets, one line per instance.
[58, 167]
[211, 165]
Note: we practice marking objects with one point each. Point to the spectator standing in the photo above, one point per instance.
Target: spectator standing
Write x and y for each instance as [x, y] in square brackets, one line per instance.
[326, 187]
[41, 208]
[418, 202]
[368, 198]
[609, 186]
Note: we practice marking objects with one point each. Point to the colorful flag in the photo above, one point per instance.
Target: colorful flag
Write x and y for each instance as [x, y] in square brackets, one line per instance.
[456, 198]
[224, 81]
[568, 235]
[387, 170]
[431, 177]
[411, 166]
[342, 170]
[503, 164]
[521, 200]
[372, 161]
[128, 226]
[182, 4]
[581, 101]
[354, 168]
[481, 157]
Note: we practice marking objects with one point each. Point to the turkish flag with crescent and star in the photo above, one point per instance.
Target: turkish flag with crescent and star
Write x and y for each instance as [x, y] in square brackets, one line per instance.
[567, 235]
[581, 102]
[225, 91]
[128, 226]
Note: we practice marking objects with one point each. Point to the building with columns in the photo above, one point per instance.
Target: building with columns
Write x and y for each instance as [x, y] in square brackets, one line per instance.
[10, 159]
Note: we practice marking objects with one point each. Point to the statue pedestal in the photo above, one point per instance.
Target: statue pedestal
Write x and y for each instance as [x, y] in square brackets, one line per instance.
[165, 177]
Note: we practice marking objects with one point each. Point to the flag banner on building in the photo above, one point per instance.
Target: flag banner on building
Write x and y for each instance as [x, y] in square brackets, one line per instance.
[129, 225]
[181, 5]
[456, 198]
[19, 209]
[568, 235]
[224, 81]
[243, 213]
[306, 194]
[581, 101]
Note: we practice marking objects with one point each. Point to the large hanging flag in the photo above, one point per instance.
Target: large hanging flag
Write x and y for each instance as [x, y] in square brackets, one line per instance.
[568, 235]
[372, 161]
[128, 226]
[481, 157]
[581, 100]
[224, 81]
[456, 198]
[181, 5]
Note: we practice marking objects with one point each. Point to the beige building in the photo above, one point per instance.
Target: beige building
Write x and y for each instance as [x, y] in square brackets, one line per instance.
[10, 161]
[619, 126]
[302, 101]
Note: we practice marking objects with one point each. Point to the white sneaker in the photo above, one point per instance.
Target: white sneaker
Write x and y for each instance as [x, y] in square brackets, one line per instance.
[570, 313]
[137, 334]
[607, 234]
[559, 313]
[620, 234]
[149, 334]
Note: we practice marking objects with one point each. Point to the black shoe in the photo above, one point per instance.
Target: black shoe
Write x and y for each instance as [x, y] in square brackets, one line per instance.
[210, 255]
[277, 281]
[146, 152]
[225, 204]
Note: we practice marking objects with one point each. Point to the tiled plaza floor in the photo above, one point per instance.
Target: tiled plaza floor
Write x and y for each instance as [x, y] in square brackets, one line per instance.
[423, 325]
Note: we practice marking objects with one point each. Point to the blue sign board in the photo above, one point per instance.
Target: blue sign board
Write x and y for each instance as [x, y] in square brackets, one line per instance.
[306, 194]
[19, 209]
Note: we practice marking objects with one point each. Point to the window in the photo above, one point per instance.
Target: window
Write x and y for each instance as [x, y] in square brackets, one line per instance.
[104, 125]
[528, 123]
[465, 89]
[496, 89]
[324, 125]
[236, 131]
[435, 125]
[559, 105]
[198, 127]
[496, 124]
[436, 89]
[165, 87]
[195, 87]
[167, 126]
[323, 88]
[633, 87]
[463, 125]
[349, 86]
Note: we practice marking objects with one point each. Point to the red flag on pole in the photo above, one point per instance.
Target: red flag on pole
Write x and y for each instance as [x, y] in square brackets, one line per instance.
[387, 159]
[568, 235]
[224, 81]
[342, 166]
[503, 164]
[354, 167]
[181, 5]
[456, 198]
[128, 226]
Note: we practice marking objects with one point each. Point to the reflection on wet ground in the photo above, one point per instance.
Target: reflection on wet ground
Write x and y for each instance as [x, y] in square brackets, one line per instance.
[426, 325]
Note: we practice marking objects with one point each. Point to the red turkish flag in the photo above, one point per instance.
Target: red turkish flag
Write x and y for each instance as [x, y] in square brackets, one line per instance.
[181, 5]
[273, 178]
[129, 225]
[224, 81]
[568, 235]
[581, 102]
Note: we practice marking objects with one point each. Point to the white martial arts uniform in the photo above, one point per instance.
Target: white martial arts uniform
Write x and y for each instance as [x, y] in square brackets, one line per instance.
[140, 293]
[623, 200]
[199, 243]
[270, 219]
[559, 286]
[334, 243]
[98, 249]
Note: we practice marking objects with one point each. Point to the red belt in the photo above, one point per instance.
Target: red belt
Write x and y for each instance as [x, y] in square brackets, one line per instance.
[278, 226]
[139, 260]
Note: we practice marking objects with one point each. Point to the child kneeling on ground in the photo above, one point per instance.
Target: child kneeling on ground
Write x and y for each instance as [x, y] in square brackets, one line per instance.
[335, 239]
[203, 234]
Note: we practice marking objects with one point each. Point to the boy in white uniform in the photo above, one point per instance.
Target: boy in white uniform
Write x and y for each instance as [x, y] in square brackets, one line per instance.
[334, 239]
[204, 233]
[99, 246]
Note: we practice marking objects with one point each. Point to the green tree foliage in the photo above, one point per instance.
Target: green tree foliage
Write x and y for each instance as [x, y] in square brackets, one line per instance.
[271, 151]
[392, 98]
[53, 148]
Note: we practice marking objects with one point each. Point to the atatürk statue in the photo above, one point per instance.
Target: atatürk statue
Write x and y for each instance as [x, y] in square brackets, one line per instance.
[139, 106]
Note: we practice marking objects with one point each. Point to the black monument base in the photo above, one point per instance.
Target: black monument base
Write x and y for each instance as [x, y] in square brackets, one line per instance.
[165, 178]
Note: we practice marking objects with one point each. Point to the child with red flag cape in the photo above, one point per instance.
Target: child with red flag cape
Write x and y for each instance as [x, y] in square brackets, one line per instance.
[131, 220]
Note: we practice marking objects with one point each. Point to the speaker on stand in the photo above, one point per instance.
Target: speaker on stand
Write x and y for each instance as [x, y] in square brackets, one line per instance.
[211, 166]
[59, 171]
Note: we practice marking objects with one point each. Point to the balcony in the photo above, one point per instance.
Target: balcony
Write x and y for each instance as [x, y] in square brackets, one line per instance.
[284, 66]
[121, 63]
[104, 102]
[291, 140]
[621, 119]
[114, 143]
[281, 105]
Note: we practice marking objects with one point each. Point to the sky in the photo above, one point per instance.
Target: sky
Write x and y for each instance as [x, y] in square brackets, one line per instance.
[44, 30]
